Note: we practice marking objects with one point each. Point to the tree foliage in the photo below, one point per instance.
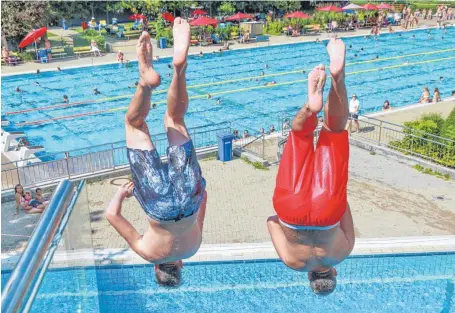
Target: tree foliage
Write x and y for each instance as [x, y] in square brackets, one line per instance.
[226, 8]
[420, 138]
[20, 17]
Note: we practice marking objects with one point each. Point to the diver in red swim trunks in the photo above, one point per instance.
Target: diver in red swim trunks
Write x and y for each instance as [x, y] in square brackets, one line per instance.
[313, 228]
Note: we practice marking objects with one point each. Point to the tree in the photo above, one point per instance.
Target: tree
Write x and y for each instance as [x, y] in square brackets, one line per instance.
[152, 7]
[20, 17]
[70, 9]
[226, 8]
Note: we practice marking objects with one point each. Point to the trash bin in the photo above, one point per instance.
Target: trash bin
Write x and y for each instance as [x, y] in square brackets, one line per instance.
[225, 146]
[163, 42]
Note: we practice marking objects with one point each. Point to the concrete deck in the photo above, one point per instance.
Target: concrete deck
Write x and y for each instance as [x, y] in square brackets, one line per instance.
[388, 198]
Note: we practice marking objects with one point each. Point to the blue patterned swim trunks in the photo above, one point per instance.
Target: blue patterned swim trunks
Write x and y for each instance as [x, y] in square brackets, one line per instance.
[167, 191]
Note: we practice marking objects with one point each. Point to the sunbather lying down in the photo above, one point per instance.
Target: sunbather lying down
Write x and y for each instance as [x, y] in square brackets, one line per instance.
[313, 229]
[171, 194]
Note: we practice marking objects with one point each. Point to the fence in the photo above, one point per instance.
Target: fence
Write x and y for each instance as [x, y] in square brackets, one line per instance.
[93, 160]
[410, 141]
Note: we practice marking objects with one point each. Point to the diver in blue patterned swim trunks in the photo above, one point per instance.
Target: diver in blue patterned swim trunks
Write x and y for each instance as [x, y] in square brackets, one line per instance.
[172, 194]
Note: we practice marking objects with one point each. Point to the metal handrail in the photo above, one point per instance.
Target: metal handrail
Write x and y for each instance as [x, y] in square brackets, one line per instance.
[24, 282]
[121, 142]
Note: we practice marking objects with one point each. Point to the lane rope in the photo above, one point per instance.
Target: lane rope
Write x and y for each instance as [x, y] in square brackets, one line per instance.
[231, 91]
[72, 104]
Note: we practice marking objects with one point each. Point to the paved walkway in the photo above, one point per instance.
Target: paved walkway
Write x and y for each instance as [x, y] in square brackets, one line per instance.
[388, 198]
[128, 47]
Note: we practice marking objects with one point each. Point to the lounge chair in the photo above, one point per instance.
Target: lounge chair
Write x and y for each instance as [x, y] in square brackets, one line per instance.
[42, 54]
[102, 24]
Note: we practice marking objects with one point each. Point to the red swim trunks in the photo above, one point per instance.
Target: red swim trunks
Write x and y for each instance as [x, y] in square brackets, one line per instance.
[311, 185]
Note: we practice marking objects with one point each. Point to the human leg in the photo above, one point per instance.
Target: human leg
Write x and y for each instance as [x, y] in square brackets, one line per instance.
[295, 173]
[177, 99]
[336, 108]
[137, 134]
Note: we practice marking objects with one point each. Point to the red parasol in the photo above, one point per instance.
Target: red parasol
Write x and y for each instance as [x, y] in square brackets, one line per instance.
[168, 17]
[239, 16]
[137, 17]
[297, 14]
[199, 12]
[204, 21]
[369, 7]
[31, 37]
[384, 6]
[330, 8]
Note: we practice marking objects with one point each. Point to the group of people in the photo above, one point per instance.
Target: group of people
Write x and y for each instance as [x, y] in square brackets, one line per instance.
[312, 230]
[426, 97]
[29, 204]
[443, 12]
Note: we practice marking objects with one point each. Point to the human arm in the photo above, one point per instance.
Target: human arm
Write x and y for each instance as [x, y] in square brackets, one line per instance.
[279, 241]
[120, 223]
[347, 226]
[18, 203]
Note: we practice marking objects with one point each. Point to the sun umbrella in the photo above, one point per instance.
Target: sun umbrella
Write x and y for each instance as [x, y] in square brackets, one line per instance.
[330, 8]
[168, 17]
[239, 16]
[137, 17]
[199, 12]
[352, 6]
[384, 6]
[204, 21]
[31, 37]
[369, 7]
[297, 14]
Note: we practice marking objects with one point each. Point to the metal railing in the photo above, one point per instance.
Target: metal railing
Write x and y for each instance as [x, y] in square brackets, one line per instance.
[24, 282]
[407, 140]
[253, 143]
[92, 160]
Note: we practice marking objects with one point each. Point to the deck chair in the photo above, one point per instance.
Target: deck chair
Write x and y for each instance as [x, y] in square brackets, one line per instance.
[102, 24]
[42, 54]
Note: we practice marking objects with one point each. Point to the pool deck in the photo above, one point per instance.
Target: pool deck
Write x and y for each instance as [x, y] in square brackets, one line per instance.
[128, 48]
[388, 198]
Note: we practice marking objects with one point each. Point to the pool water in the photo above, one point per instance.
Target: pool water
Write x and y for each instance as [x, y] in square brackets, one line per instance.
[248, 104]
[393, 283]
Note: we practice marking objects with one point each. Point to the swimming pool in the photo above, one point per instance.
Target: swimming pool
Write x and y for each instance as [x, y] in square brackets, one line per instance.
[233, 77]
[380, 283]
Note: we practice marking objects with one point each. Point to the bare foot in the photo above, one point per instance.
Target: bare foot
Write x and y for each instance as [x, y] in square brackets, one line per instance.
[316, 82]
[144, 50]
[181, 32]
[337, 53]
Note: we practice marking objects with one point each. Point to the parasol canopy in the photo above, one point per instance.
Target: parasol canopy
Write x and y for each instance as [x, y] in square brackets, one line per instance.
[239, 16]
[32, 36]
[330, 8]
[204, 21]
[297, 14]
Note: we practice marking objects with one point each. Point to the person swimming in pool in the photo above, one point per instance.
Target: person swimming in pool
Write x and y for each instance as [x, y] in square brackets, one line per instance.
[172, 194]
[313, 229]
[270, 83]
[96, 91]
[65, 99]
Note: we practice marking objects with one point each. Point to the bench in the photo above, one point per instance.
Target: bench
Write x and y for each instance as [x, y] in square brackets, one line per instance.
[260, 38]
[80, 51]
[58, 52]
[132, 34]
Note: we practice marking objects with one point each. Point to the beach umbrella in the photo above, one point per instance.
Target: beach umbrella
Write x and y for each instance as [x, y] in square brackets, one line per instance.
[32, 36]
[369, 7]
[137, 17]
[352, 6]
[297, 14]
[330, 8]
[384, 6]
[168, 17]
[199, 12]
[239, 16]
[204, 21]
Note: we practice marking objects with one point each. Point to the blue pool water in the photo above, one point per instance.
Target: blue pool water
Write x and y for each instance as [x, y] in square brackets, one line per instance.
[412, 283]
[247, 103]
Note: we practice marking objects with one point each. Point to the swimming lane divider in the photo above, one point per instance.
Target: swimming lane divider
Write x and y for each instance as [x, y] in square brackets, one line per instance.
[229, 91]
[57, 106]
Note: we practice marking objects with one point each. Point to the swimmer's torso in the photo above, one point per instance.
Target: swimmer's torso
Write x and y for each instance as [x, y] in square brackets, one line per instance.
[309, 250]
[172, 241]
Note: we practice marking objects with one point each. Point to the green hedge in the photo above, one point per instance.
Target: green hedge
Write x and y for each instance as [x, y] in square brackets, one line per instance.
[418, 138]
[83, 39]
